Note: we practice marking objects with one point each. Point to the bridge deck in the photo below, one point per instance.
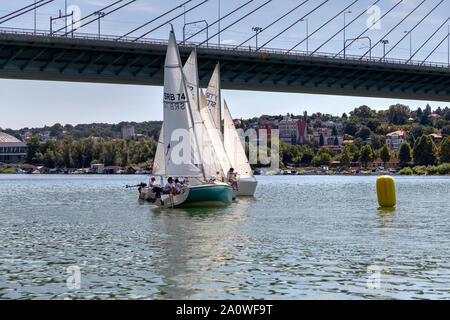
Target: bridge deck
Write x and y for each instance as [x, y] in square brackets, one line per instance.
[42, 57]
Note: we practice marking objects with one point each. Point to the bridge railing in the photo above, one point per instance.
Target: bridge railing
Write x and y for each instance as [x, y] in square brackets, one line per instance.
[224, 47]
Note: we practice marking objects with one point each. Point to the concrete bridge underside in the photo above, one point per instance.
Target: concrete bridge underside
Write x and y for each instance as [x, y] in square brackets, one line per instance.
[86, 60]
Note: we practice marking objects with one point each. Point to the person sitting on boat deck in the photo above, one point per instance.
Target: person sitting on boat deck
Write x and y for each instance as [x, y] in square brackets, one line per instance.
[178, 185]
[231, 178]
[214, 178]
[169, 188]
[155, 187]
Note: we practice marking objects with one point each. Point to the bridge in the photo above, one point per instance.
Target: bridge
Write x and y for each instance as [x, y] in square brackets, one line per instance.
[43, 55]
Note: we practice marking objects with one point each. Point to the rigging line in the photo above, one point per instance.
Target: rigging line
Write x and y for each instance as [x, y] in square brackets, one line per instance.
[417, 24]
[271, 24]
[445, 38]
[254, 10]
[153, 20]
[99, 17]
[323, 25]
[345, 26]
[168, 21]
[293, 24]
[22, 13]
[392, 29]
[218, 20]
[89, 15]
[427, 40]
[11, 13]
[375, 22]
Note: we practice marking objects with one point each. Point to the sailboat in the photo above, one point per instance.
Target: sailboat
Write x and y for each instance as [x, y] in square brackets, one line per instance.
[181, 155]
[233, 146]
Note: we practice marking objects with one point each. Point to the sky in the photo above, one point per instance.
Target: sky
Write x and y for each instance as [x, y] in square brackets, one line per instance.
[26, 103]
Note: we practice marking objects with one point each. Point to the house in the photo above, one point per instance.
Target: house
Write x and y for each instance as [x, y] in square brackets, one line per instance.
[392, 163]
[128, 132]
[436, 137]
[268, 128]
[28, 168]
[395, 139]
[97, 168]
[11, 148]
[292, 131]
[112, 170]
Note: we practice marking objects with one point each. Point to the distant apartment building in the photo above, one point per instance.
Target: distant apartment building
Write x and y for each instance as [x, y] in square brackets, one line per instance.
[11, 148]
[268, 127]
[127, 132]
[395, 139]
[292, 131]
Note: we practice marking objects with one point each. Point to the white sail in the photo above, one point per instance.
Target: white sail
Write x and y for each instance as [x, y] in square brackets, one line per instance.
[233, 146]
[215, 136]
[159, 166]
[181, 156]
[205, 130]
[213, 98]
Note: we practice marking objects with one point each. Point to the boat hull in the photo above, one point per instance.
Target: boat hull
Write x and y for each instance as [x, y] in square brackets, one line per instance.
[210, 195]
[207, 195]
[247, 187]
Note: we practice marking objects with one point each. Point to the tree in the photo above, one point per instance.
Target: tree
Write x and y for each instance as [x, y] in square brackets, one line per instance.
[334, 131]
[363, 133]
[336, 141]
[405, 154]
[363, 112]
[307, 157]
[398, 114]
[321, 140]
[425, 151]
[350, 128]
[385, 154]
[366, 155]
[444, 152]
[33, 146]
[345, 158]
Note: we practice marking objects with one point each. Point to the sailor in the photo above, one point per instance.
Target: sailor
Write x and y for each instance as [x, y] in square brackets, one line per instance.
[231, 178]
[214, 178]
[155, 187]
[169, 188]
[178, 185]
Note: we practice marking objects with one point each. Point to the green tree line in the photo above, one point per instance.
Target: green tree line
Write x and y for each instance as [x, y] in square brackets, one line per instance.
[71, 153]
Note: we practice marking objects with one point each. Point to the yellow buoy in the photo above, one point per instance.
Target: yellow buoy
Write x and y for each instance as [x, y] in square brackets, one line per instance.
[386, 191]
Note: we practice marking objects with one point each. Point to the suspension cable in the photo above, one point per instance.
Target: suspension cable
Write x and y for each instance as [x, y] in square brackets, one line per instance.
[293, 24]
[323, 25]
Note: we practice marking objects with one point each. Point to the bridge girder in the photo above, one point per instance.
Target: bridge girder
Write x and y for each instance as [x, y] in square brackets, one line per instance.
[88, 60]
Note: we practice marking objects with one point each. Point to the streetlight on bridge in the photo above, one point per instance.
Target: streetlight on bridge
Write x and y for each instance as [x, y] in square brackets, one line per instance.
[384, 42]
[410, 42]
[100, 15]
[307, 35]
[345, 24]
[257, 30]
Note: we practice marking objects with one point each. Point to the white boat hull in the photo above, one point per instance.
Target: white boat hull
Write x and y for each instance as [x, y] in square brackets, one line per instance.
[247, 187]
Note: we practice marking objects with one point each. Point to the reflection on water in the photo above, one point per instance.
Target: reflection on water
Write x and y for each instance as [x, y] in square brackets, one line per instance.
[316, 237]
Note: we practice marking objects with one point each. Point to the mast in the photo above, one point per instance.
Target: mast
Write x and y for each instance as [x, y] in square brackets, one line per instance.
[189, 107]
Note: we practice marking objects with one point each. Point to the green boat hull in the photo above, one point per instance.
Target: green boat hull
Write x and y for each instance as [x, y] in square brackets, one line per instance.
[209, 196]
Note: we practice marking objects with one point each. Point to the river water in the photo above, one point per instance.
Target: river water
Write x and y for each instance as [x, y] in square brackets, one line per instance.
[300, 237]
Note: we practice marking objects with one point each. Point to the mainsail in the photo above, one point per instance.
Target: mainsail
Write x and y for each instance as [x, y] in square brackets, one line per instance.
[159, 165]
[213, 98]
[181, 154]
[213, 155]
[233, 146]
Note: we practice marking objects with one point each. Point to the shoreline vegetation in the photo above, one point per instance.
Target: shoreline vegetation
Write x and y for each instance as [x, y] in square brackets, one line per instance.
[398, 140]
